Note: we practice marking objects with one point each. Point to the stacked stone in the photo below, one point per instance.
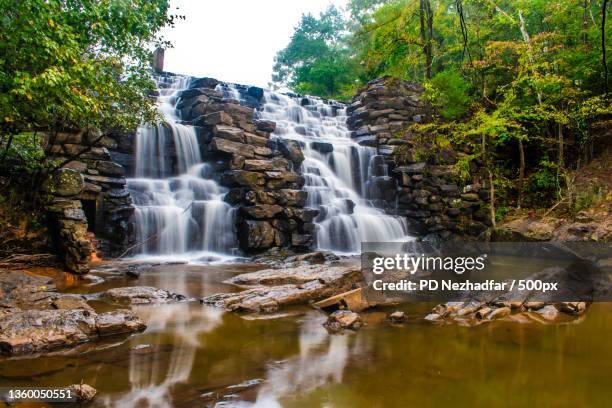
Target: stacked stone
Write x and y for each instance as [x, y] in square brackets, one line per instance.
[68, 223]
[432, 199]
[103, 188]
[260, 174]
[382, 110]
[430, 194]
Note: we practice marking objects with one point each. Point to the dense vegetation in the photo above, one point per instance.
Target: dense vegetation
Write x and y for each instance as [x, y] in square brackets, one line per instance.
[69, 64]
[519, 86]
[80, 64]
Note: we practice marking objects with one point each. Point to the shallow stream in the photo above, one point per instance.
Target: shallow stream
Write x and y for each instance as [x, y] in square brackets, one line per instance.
[194, 355]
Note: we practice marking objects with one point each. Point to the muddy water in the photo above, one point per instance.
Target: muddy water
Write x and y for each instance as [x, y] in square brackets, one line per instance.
[193, 355]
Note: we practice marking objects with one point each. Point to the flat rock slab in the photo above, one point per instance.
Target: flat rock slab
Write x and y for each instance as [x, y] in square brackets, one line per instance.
[325, 274]
[139, 295]
[272, 289]
[32, 331]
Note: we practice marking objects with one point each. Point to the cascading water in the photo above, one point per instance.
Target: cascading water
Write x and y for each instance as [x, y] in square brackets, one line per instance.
[179, 207]
[342, 177]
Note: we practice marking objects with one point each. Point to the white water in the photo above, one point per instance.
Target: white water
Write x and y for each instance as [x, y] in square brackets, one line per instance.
[338, 180]
[180, 212]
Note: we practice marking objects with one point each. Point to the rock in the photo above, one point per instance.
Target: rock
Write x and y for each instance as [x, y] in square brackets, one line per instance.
[343, 319]
[229, 133]
[265, 125]
[292, 198]
[397, 317]
[255, 92]
[292, 150]
[261, 211]
[231, 147]
[67, 182]
[499, 313]
[83, 392]
[33, 331]
[322, 147]
[108, 168]
[290, 286]
[237, 178]
[209, 83]
[549, 312]
[256, 235]
[68, 302]
[258, 165]
[298, 275]
[138, 295]
[118, 322]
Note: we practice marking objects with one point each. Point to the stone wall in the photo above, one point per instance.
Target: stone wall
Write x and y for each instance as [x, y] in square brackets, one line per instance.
[261, 174]
[88, 194]
[428, 192]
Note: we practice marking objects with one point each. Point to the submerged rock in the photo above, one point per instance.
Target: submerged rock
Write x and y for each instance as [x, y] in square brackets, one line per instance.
[343, 319]
[32, 331]
[397, 317]
[138, 295]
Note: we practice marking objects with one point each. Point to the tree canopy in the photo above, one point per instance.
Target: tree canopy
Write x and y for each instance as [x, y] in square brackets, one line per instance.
[76, 63]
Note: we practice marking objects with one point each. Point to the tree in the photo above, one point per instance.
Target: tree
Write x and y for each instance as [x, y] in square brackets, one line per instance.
[317, 60]
[76, 64]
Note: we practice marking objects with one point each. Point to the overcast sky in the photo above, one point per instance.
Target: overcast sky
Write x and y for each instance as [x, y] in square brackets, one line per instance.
[234, 40]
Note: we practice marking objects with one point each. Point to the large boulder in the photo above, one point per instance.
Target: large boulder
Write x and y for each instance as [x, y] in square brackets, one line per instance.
[32, 331]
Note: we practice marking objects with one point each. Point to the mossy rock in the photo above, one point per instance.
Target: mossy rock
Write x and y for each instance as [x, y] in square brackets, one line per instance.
[67, 182]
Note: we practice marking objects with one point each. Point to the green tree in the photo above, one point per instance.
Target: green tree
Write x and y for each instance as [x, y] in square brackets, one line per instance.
[76, 64]
[317, 60]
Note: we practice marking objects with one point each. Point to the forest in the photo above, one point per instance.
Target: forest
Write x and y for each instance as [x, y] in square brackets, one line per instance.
[520, 86]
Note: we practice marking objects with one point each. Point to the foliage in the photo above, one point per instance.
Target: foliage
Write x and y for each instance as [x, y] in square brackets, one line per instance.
[517, 85]
[449, 92]
[76, 64]
[316, 61]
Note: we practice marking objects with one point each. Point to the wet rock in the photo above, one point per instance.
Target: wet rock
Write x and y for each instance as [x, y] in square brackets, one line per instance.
[272, 289]
[292, 150]
[261, 211]
[343, 319]
[237, 178]
[549, 312]
[255, 236]
[138, 295]
[69, 302]
[83, 392]
[397, 317]
[322, 147]
[33, 331]
[218, 144]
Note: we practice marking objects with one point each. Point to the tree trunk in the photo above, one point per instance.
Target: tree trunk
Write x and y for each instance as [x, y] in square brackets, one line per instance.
[561, 162]
[426, 20]
[521, 173]
[603, 44]
[9, 142]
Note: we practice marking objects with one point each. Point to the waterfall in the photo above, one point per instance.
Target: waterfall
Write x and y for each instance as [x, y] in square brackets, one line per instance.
[179, 207]
[343, 178]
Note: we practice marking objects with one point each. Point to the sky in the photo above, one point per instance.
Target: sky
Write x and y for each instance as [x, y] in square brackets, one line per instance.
[234, 40]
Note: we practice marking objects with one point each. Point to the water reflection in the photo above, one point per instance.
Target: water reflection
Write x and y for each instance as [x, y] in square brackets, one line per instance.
[321, 360]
